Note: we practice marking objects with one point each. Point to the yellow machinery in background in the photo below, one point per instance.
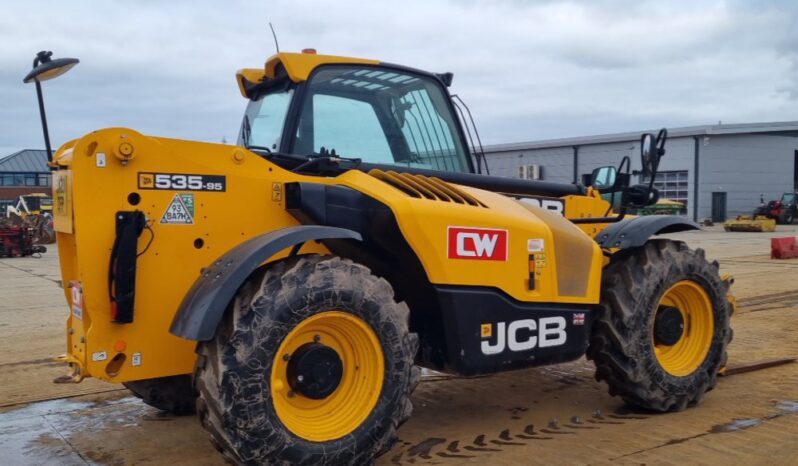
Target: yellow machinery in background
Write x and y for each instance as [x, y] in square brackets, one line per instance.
[33, 211]
[750, 223]
[289, 287]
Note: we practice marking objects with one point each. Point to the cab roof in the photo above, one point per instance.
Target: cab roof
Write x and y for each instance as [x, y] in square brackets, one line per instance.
[298, 67]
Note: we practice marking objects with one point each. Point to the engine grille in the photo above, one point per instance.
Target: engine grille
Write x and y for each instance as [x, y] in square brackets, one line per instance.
[426, 187]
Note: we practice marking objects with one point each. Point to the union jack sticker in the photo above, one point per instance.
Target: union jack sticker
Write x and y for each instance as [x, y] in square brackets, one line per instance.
[579, 318]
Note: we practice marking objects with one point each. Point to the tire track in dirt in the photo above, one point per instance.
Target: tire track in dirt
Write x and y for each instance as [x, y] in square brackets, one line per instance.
[457, 449]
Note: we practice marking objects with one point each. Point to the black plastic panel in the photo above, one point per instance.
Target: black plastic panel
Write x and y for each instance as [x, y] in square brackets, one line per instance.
[513, 343]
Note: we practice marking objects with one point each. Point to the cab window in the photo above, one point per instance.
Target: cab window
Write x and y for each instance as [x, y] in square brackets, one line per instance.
[380, 115]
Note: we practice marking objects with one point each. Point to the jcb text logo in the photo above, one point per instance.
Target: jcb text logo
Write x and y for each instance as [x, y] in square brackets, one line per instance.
[556, 205]
[477, 243]
[522, 335]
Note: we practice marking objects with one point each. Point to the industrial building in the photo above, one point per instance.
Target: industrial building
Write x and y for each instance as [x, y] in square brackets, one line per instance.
[21, 173]
[717, 171]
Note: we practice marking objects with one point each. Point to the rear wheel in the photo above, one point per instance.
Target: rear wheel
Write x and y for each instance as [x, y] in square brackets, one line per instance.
[787, 217]
[173, 394]
[663, 326]
[312, 365]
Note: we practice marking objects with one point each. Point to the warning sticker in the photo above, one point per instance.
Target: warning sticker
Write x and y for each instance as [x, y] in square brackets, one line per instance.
[180, 210]
[77, 299]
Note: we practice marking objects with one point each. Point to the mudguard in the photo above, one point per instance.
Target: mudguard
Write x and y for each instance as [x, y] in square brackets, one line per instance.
[203, 306]
[634, 232]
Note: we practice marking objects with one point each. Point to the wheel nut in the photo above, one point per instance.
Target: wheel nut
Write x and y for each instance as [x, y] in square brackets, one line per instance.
[286, 357]
[316, 338]
[290, 393]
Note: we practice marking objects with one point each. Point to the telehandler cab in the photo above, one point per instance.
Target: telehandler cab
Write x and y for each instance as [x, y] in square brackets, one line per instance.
[290, 287]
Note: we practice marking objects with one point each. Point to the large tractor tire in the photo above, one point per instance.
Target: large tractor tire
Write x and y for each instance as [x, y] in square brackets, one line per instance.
[173, 394]
[787, 217]
[662, 326]
[313, 364]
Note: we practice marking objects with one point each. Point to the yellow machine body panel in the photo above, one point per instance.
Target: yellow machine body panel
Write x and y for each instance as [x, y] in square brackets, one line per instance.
[177, 251]
[591, 205]
[426, 225]
[298, 66]
[118, 169]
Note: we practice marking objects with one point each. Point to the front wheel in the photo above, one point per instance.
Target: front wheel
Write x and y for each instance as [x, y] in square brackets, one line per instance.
[787, 218]
[663, 326]
[313, 364]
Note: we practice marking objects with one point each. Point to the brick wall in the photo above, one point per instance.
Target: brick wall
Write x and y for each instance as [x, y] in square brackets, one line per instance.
[11, 193]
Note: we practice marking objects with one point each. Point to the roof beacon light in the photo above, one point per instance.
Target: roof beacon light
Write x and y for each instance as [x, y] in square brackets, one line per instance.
[310, 51]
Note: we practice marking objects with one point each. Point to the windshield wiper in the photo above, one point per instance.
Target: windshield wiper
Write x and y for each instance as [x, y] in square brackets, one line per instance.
[245, 131]
[261, 148]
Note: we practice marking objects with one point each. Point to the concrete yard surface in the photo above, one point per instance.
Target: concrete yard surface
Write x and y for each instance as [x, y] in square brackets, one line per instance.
[549, 415]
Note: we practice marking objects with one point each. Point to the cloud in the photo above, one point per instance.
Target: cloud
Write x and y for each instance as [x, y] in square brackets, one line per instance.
[529, 70]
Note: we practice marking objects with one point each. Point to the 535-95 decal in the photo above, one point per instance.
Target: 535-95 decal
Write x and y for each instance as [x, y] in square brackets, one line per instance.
[182, 182]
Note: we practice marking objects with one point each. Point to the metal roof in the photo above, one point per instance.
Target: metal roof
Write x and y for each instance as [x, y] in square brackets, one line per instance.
[784, 128]
[25, 161]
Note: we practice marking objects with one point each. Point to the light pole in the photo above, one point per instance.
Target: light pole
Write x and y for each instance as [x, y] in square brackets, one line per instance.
[45, 68]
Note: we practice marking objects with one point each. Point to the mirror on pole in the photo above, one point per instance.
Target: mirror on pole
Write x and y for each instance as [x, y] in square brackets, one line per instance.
[648, 153]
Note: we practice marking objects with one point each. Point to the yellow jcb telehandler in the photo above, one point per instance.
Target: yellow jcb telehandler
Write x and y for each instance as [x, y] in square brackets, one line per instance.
[290, 287]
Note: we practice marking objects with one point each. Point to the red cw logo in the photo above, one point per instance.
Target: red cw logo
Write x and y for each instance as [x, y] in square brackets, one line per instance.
[477, 243]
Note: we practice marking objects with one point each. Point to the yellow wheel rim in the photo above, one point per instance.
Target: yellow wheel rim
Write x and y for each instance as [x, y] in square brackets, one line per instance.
[356, 395]
[689, 352]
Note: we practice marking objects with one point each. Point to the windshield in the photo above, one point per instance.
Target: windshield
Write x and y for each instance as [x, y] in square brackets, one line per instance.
[380, 115]
[264, 118]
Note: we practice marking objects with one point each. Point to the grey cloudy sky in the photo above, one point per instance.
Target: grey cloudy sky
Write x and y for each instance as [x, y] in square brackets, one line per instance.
[528, 69]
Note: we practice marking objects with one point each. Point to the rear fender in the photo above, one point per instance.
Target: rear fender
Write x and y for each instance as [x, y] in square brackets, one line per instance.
[205, 303]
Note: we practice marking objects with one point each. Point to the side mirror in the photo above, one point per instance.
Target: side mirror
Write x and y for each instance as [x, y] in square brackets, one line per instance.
[400, 110]
[603, 178]
[651, 150]
[648, 149]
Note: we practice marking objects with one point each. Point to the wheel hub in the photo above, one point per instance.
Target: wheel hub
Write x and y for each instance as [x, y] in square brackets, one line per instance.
[315, 371]
[668, 325]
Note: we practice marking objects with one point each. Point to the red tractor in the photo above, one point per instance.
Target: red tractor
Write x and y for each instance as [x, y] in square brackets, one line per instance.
[783, 210]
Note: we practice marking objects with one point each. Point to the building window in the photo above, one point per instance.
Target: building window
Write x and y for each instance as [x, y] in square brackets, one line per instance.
[530, 172]
[25, 179]
[672, 185]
